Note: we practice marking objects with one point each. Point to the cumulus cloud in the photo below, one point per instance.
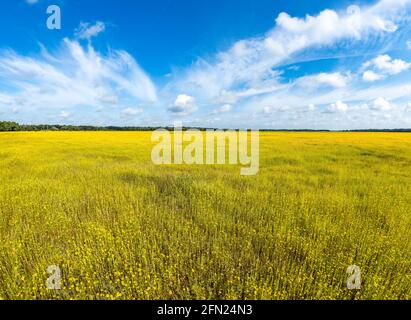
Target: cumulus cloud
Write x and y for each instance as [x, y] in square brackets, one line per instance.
[249, 65]
[381, 104]
[74, 76]
[336, 80]
[255, 74]
[370, 76]
[88, 31]
[183, 105]
[388, 65]
[383, 66]
[339, 106]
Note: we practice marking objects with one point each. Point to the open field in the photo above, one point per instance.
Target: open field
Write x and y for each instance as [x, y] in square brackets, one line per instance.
[119, 227]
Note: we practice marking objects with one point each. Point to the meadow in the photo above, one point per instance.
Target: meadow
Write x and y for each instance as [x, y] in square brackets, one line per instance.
[119, 227]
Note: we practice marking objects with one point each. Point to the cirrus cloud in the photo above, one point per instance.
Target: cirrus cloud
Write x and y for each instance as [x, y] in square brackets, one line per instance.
[74, 76]
[88, 31]
[249, 65]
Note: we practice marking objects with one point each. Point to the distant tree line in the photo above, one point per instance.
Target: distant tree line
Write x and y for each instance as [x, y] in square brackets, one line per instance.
[379, 130]
[14, 126]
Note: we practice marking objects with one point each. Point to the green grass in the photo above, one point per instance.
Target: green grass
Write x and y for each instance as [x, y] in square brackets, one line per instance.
[121, 228]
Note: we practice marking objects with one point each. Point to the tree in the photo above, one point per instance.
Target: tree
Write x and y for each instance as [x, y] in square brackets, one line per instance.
[9, 126]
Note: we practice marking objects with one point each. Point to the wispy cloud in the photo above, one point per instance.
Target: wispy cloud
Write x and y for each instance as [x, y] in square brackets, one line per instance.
[132, 112]
[249, 84]
[249, 64]
[73, 76]
[88, 31]
[249, 75]
[223, 109]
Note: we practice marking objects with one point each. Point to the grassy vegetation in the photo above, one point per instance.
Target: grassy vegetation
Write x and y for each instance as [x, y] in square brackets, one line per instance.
[121, 228]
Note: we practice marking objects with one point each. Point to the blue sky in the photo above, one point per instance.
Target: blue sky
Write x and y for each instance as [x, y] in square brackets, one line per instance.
[232, 64]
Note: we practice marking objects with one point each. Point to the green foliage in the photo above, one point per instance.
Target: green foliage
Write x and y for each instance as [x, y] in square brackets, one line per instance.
[9, 126]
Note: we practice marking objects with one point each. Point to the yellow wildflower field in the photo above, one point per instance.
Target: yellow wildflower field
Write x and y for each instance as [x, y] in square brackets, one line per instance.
[119, 227]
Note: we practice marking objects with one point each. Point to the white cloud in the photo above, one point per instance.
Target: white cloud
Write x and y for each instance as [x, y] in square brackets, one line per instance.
[275, 109]
[338, 106]
[73, 77]
[408, 107]
[370, 76]
[65, 115]
[360, 107]
[268, 110]
[248, 68]
[381, 104]
[6, 100]
[248, 73]
[88, 31]
[132, 112]
[226, 97]
[183, 105]
[336, 80]
[251, 74]
[223, 109]
[386, 65]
